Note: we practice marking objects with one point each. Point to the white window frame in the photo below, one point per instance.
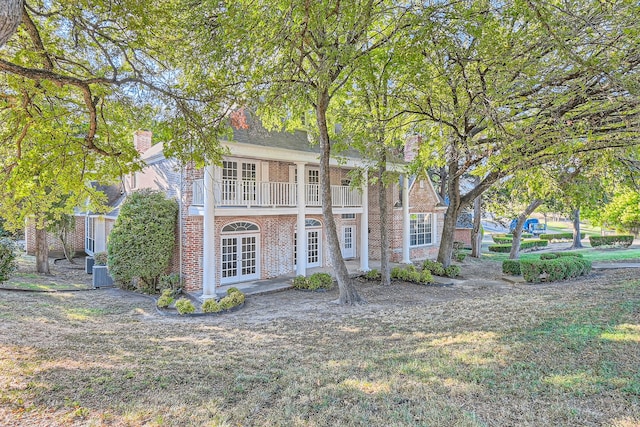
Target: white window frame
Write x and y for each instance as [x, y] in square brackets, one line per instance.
[421, 229]
[90, 235]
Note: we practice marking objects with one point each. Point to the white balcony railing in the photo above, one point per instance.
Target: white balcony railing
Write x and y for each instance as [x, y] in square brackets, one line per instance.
[272, 194]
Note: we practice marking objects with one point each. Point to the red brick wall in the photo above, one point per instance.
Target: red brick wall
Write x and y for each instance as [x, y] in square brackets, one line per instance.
[55, 245]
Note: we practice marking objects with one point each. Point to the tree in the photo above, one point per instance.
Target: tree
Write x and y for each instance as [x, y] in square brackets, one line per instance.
[293, 56]
[77, 80]
[510, 86]
[10, 18]
[623, 211]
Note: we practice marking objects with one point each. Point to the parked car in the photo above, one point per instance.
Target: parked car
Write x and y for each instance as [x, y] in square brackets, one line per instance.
[531, 225]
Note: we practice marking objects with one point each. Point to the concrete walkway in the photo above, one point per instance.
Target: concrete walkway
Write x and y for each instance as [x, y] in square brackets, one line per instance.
[614, 265]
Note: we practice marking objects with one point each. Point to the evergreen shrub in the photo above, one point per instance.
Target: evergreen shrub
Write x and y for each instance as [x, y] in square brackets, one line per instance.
[621, 240]
[8, 262]
[141, 243]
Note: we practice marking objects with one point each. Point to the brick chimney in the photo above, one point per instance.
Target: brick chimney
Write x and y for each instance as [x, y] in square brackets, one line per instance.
[142, 140]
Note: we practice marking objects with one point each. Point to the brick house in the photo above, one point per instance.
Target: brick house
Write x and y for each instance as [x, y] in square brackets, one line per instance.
[239, 221]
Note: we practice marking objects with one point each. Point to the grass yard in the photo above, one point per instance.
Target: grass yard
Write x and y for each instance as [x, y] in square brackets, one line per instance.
[478, 353]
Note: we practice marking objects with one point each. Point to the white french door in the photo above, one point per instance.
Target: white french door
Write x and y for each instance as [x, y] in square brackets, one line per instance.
[348, 242]
[239, 258]
[314, 248]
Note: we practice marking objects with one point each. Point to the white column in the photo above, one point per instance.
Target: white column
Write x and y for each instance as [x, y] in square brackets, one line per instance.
[301, 239]
[364, 225]
[209, 237]
[406, 257]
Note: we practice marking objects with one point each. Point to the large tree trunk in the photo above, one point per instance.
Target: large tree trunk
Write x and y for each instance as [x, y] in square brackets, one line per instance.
[42, 251]
[476, 234]
[443, 182]
[517, 233]
[348, 293]
[385, 249]
[10, 18]
[448, 232]
[577, 243]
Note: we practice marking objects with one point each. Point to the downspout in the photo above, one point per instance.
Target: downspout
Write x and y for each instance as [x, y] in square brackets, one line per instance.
[180, 218]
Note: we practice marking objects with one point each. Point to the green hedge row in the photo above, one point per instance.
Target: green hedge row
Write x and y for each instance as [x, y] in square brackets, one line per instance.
[524, 245]
[622, 240]
[554, 269]
[512, 266]
[560, 236]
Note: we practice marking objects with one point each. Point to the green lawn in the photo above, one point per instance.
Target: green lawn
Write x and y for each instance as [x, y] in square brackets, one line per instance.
[594, 255]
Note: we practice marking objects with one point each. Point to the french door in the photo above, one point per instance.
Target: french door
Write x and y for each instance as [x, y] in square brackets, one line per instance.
[348, 243]
[314, 248]
[239, 258]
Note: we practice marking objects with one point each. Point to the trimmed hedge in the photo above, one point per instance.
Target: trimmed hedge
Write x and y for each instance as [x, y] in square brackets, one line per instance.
[524, 245]
[621, 240]
[554, 255]
[554, 269]
[560, 236]
[511, 266]
[502, 240]
[411, 274]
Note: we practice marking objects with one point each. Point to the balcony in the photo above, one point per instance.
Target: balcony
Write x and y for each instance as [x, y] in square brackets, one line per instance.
[234, 193]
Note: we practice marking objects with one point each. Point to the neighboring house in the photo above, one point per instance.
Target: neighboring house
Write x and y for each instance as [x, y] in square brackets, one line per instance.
[240, 221]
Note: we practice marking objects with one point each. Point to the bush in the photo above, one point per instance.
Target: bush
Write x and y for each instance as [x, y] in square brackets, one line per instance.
[185, 306]
[434, 267]
[559, 268]
[372, 274]
[550, 255]
[511, 266]
[8, 262]
[233, 299]
[411, 274]
[621, 240]
[142, 240]
[166, 299]
[524, 245]
[554, 255]
[211, 306]
[314, 282]
[560, 236]
[170, 281]
[100, 258]
[452, 271]
[503, 240]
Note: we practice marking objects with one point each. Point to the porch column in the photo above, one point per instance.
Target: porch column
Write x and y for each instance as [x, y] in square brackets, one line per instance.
[209, 238]
[364, 225]
[301, 239]
[406, 257]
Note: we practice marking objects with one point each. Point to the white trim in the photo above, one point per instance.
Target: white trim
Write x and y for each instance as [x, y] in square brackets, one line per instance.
[353, 250]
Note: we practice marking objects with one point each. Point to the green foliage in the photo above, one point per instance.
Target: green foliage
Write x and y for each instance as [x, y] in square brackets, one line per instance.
[166, 299]
[524, 245]
[452, 271]
[314, 282]
[623, 212]
[233, 299]
[553, 270]
[460, 256]
[434, 267]
[511, 266]
[411, 274]
[185, 306]
[372, 274]
[560, 236]
[211, 306]
[170, 281]
[141, 242]
[550, 255]
[8, 262]
[100, 258]
[620, 240]
[502, 240]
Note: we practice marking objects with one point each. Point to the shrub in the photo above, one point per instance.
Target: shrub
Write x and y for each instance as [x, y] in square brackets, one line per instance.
[458, 245]
[142, 240]
[8, 262]
[502, 240]
[524, 245]
[460, 256]
[620, 240]
[560, 236]
[185, 306]
[555, 269]
[314, 282]
[511, 266]
[434, 267]
[170, 281]
[100, 258]
[166, 299]
[211, 306]
[320, 281]
[372, 274]
[452, 271]
[233, 299]
[411, 274]
[550, 255]
[554, 255]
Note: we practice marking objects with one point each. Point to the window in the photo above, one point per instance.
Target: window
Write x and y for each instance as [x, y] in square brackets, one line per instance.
[239, 226]
[349, 216]
[420, 230]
